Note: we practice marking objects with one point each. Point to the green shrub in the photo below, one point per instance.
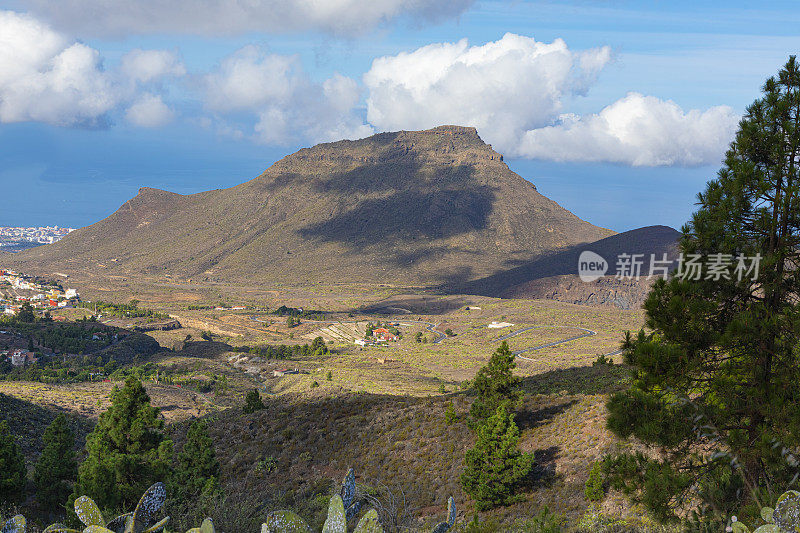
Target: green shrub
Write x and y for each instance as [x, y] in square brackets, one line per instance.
[252, 402]
[593, 489]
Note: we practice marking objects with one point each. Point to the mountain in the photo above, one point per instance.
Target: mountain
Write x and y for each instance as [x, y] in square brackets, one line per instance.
[555, 276]
[412, 207]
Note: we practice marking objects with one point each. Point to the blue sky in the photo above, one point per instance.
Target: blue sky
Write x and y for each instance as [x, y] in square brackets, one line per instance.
[622, 124]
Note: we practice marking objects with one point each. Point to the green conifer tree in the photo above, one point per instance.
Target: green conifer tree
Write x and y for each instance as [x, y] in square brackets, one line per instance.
[127, 451]
[26, 313]
[12, 467]
[495, 468]
[252, 402]
[56, 470]
[196, 471]
[496, 385]
[717, 378]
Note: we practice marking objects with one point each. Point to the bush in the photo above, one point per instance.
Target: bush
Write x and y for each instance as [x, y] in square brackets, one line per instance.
[450, 415]
[593, 489]
[252, 402]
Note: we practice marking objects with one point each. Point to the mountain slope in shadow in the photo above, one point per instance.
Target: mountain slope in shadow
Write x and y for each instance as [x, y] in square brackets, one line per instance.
[555, 276]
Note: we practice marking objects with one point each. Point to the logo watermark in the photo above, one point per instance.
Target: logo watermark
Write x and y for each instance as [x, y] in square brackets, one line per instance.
[713, 267]
[591, 266]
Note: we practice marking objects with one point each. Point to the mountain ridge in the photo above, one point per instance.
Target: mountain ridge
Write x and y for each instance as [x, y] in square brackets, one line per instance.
[416, 207]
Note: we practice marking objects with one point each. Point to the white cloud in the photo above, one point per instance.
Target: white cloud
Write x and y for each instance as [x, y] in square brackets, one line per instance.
[144, 66]
[287, 104]
[45, 78]
[503, 88]
[514, 91]
[149, 111]
[636, 130]
[249, 79]
[230, 17]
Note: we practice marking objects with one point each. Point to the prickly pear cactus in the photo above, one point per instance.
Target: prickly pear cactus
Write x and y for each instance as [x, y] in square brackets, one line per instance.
[149, 504]
[348, 494]
[88, 512]
[285, 522]
[139, 521]
[59, 528]
[342, 508]
[337, 520]
[369, 523]
[118, 524]
[784, 518]
[206, 527]
[16, 524]
[441, 527]
[786, 514]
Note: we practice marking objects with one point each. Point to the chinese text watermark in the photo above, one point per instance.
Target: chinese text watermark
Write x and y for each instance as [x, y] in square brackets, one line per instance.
[714, 267]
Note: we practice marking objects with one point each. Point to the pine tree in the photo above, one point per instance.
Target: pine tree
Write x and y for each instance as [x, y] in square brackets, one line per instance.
[318, 346]
[196, 471]
[252, 402]
[13, 473]
[495, 468]
[127, 451]
[717, 379]
[26, 313]
[496, 385]
[56, 470]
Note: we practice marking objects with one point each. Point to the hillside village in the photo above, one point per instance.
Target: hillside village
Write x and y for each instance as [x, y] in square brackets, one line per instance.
[17, 288]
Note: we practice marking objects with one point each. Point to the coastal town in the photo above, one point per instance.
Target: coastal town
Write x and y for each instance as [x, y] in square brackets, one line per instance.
[24, 237]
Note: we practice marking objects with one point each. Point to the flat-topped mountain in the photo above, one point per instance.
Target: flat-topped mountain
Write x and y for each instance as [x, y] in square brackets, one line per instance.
[413, 207]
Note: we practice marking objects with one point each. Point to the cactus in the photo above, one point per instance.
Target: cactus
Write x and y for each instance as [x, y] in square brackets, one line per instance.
[343, 507]
[206, 527]
[15, 524]
[285, 522]
[348, 494]
[139, 521]
[784, 518]
[442, 527]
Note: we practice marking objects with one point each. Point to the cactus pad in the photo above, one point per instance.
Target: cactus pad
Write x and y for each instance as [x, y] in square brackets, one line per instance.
[285, 522]
[348, 491]
[451, 511]
[151, 501]
[16, 524]
[336, 522]
[159, 526]
[369, 523]
[787, 511]
[88, 512]
[118, 524]
[768, 528]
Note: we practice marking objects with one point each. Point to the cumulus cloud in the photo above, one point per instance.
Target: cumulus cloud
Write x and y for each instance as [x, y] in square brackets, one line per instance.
[514, 91]
[45, 77]
[503, 88]
[149, 111]
[144, 66]
[286, 102]
[106, 18]
[636, 130]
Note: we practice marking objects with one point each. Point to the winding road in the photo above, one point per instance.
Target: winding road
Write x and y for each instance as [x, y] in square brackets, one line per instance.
[586, 333]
